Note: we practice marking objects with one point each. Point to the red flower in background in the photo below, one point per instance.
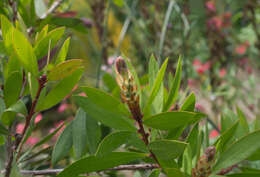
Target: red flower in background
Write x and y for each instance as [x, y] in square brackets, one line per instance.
[222, 72]
[215, 23]
[200, 67]
[241, 49]
[210, 5]
[213, 134]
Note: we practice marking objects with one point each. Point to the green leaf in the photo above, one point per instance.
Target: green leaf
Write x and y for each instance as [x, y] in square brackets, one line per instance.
[93, 163]
[42, 34]
[12, 88]
[64, 69]
[174, 172]
[156, 87]
[40, 7]
[9, 113]
[153, 70]
[189, 103]
[63, 51]
[243, 122]
[73, 23]
[112, 141]
[171, 120]
[62, 89]
[239, 150]
[174, 88]
[33, 85]
[93, 134]
[7, 33]
[63, 145]
[167, 149]
[193, 139]
[110, 82]
[41, 47]
[24, 52]
[104, 115]
[3, 130]
[244, 175]
[226, 137]
[79, 133]
[48, 137]
[155, 173]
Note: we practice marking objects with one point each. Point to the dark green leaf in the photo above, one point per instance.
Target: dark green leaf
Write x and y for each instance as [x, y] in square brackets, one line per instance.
[79, 132]
[11, 92]
[193, 139]
[167, 149]
[74, 23]
[63, 145]
[171, 120]
[93, 163]
[155, 173]
[174, 172]
[189, 103]
[3, 130]
[239, 150]
[105, 115]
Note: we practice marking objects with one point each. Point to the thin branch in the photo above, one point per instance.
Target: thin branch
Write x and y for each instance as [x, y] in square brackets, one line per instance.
[53, 7]
[118, 168]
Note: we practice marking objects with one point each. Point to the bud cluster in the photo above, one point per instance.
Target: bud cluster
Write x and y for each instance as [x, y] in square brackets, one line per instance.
[204, 164]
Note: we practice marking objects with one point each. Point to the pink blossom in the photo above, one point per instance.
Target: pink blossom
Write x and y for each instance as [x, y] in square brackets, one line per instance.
[199, 107]
[213, 134]
[210, 5]
[111, 60]
[38, 118]
[19, 128]
[191, 82]
[249, 69]
[32, 141]
[196, 62]
[63, 107]
[222, 72]
[203, 67]
[215, 23]
[82, 94]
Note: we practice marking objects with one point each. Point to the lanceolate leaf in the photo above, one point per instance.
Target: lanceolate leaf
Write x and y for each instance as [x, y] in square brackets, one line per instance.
[96, 163]
[24, 52]
[167, 149]
[239, 150]
[171, 120]
[174, 88]
[156, 87]
[105, 115]
[64, 69]
[7, 33]
[189, 103]
[63, 145]
[41, 47]
[79, 133]
[63, 51]
[62, 89]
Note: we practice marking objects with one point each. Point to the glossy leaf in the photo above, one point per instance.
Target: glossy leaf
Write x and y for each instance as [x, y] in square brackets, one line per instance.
[95, 163]
[62, 89]
[24, 52]
[171, 120]
[63, 145]
[239, 150]
[174, 88]
[41, 47]
[63, 51]
[64, 69]
[167, 149]
[79, 132]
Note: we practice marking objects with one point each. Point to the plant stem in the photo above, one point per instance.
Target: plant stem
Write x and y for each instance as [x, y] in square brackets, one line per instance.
[164, 29]
[102, 30]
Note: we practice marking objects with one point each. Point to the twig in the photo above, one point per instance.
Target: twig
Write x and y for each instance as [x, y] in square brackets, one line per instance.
[53, 7]
[13, 4]
[118, 168]
[164, 28]
[227, 170]
[103, 35]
